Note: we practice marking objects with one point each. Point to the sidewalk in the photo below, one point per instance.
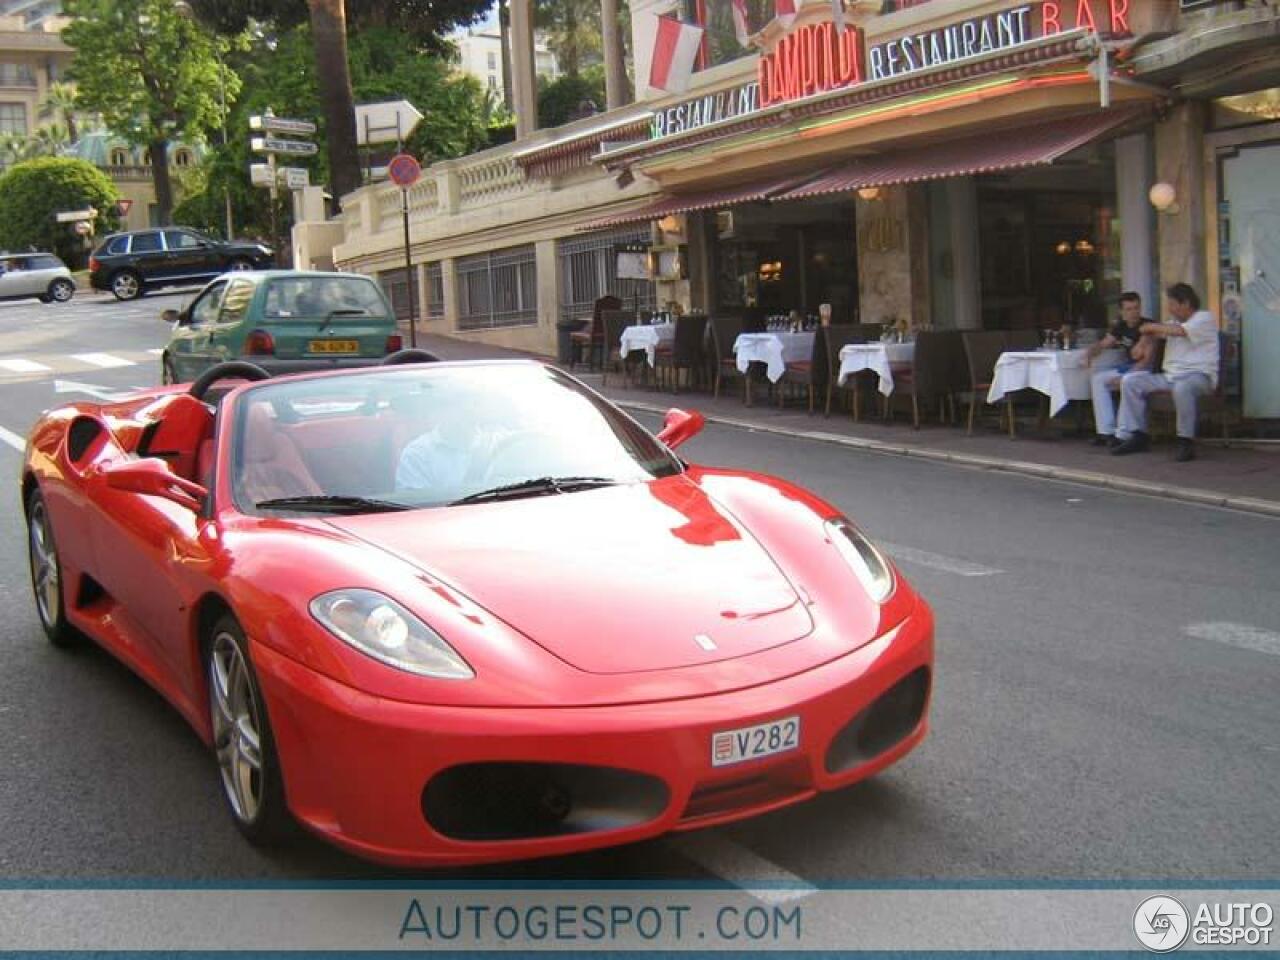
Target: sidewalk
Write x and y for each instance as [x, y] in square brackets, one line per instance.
[1236, 476]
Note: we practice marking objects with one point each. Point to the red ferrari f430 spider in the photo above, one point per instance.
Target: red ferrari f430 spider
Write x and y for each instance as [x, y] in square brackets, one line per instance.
[445, 613]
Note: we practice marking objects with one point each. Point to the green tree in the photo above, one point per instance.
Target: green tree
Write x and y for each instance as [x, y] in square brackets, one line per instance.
[572, 29]
[33, 192]
[571, 97]
[279, 72]
[152, 74]
[60, 104]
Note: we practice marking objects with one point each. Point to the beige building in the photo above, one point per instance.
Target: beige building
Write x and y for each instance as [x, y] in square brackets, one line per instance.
[954, 163]
[30, 60]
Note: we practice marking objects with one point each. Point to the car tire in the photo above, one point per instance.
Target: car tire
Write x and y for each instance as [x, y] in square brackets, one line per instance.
[248, 770]
[168, 372]
[46, 574]
[126, 285]
[61, 290]
[240, 263]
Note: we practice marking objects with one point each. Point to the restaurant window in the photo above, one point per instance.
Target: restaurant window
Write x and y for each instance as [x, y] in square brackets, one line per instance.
[395, 284]
[1049, 240]
[589, 270]
[435, 289]
[498, 289]
[13, 118]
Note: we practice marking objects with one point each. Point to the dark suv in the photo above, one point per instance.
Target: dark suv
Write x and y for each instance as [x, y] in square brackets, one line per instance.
[129, 263]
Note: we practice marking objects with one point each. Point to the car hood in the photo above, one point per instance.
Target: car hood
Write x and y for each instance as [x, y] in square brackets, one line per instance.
[636, 577]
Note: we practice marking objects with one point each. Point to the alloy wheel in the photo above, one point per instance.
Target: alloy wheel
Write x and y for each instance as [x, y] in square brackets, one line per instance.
[44, 566]
[237, 726]
[62, 290]
[238, 265]
[125, 286]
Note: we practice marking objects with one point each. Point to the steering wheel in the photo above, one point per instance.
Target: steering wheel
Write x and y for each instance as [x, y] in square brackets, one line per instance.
[411, 355]
[239, 369]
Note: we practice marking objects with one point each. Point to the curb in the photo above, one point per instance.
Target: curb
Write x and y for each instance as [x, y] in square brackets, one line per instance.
[1041, 471]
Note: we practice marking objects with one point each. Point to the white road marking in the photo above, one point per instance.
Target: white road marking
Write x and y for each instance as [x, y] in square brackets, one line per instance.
[1237, 635]
[92, 389]
[103, 360]
[937, 561]
[156, 351]
[763, 879]
[13, 440]
[19, 365]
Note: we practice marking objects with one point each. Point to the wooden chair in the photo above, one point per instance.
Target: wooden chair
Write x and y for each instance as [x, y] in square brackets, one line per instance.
[982, 348]
[613, 322]
[934, 373]
[590, 341]
[724, 331]
[686, 350]
[812, 374]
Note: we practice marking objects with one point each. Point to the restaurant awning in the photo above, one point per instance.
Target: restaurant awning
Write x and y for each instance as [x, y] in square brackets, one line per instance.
[702, 200]
[1027, 146]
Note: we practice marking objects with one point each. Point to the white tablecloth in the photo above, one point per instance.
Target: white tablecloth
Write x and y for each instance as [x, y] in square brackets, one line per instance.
[647, 338]
[775, 350]
[880, 357]
[1061, 375]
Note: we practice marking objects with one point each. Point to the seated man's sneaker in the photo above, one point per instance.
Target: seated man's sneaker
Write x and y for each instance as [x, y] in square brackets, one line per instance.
[1138, 442]
[1186, 450]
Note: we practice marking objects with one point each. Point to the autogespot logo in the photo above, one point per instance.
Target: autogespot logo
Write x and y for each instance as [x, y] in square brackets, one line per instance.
[1161, 924]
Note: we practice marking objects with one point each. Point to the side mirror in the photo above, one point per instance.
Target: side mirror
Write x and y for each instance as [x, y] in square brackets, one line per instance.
[680, 425]
[153, 478]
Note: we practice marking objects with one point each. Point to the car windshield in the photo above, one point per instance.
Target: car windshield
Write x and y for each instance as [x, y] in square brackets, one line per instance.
[313, 298]
[429, 436]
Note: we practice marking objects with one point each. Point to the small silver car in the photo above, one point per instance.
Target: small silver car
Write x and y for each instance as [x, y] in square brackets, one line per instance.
[40, 275]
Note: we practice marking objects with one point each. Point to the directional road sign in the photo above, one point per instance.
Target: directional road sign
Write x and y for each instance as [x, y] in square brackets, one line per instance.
[388, 122]
[270, 124]
[295, 178]
[295, 148]
[71, 216]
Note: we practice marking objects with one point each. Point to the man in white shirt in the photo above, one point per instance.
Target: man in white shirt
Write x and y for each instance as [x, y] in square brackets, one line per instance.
[1190, 371]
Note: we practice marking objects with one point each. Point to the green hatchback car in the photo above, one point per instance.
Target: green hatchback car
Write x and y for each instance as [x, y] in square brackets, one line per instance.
[285, 321]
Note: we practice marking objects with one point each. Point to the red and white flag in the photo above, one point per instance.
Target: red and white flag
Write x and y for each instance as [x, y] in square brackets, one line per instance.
[674, 50]
[784, 10]
[740, 21]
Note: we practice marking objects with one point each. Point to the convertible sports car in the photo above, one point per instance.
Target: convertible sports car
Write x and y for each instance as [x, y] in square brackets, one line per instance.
[462, 612]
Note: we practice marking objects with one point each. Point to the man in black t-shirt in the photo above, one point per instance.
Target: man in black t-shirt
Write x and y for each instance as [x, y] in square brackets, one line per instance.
[1139, 353]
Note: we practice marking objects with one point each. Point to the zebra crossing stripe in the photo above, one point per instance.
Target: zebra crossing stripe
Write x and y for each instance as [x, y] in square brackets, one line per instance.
[21, 365]
[102, 360]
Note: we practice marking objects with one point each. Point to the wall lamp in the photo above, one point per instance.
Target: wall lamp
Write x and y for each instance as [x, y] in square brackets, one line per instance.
[869, 193]
[1164, 197]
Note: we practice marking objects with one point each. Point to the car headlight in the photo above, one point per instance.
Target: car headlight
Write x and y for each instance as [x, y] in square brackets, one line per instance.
[378, 626]
[871, 569]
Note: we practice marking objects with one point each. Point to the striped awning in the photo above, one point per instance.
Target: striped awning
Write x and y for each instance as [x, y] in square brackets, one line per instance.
[1028, 146]
[703, 200]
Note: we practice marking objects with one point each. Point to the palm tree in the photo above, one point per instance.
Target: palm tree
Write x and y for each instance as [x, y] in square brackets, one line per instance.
[49, 140]
[13, 148]
[60, 103]
[329, 37]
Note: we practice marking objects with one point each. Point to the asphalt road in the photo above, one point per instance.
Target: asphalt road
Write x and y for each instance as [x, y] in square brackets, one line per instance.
[1105, 702]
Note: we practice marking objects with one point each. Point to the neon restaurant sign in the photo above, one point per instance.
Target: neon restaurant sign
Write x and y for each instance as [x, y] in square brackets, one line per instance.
[816, 58]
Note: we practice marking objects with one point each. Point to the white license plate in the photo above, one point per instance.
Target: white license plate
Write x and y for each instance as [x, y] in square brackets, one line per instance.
[751, 743]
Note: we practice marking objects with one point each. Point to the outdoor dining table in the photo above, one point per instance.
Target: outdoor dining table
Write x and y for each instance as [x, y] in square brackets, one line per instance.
[879, 357]
[774, 350]
[1061, 375]
[647, 337]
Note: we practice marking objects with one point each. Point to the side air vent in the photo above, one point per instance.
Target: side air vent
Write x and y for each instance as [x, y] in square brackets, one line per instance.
[82, 436]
